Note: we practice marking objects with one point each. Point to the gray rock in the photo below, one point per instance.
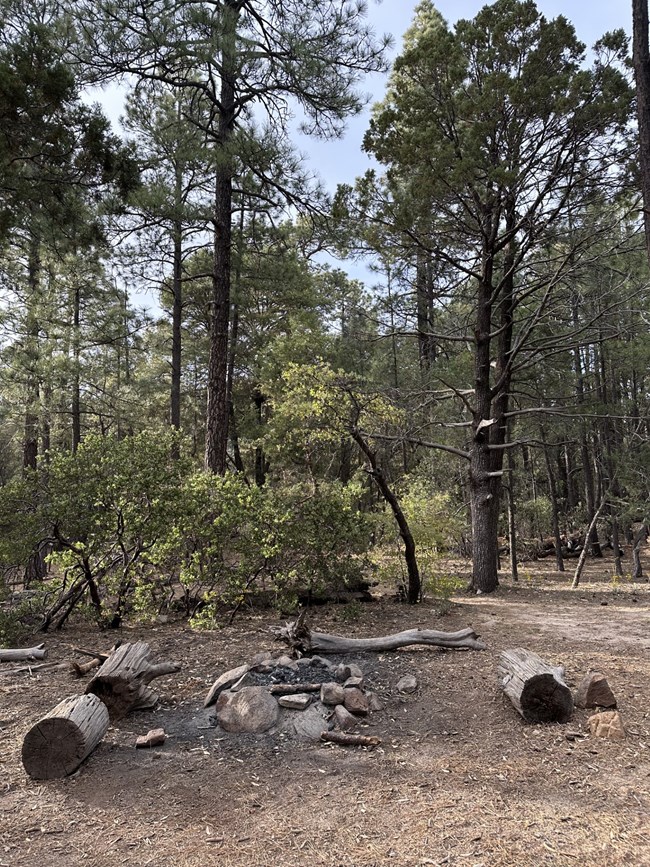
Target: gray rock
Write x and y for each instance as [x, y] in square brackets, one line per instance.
[344, 719]
[321, 662]
[310, 724]
[353, 681]
[252, 710]
[374, 702]
[332, 693]
[287, 662]
[355, 701]
[408, 683]
[297, 701]
[223, 682]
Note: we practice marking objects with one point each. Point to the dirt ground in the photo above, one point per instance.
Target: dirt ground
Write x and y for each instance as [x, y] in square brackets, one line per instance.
[459, 778]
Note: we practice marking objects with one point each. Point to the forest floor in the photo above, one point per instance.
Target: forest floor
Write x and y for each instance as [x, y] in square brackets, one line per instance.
[459, 779]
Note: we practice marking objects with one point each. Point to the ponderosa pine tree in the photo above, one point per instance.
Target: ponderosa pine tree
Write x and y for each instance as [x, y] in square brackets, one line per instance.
[496, 135]
[238, 57]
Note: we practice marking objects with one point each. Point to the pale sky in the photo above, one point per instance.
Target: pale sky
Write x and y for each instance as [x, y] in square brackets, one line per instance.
[342, 161]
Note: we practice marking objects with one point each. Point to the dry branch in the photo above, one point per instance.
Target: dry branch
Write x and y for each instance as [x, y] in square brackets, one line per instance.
[22, 654]
[97, 658]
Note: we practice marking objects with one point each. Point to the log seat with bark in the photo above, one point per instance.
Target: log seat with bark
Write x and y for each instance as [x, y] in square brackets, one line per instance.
[122, 681]
[537, 690]
[59, 742]
[23, 654]
[304, 640]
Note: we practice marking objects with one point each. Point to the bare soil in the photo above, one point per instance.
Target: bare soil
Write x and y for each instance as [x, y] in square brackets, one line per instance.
[460, 779]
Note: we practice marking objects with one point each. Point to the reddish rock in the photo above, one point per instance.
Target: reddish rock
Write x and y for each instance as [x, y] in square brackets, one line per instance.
[153, 738]
[355, 701]
[594, 691]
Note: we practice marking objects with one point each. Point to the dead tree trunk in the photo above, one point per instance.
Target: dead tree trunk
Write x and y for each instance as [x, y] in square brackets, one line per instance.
[63, 738]
[121, 682]
[23, 653]
[537, 690]
[301, 638]
[638, 541]
[583, 553]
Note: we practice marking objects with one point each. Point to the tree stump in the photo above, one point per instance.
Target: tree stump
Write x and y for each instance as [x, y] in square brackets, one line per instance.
[59, 742]
[536, 689]
[121, 682]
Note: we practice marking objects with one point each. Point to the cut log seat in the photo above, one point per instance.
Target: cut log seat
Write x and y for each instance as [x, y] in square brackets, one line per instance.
[536, 689]
[59, 742]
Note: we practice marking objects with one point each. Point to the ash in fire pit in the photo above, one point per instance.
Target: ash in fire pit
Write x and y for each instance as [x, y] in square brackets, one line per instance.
[305, 697]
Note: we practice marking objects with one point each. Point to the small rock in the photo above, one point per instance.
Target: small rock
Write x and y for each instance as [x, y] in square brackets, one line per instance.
[297, 701]
[153, 738]
[345, 670]
[607, 724]
[344, 719]
[353, 681]
[264, 659]
[374, 702]
[355, 701]
[594, 691]
[287, 662]
[253, 710]
[408, 683]
[315, 661]
[332, 693]
[163, 618]
[225, 681]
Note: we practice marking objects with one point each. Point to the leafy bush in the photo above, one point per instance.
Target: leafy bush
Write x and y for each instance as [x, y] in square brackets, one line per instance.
[134, 530]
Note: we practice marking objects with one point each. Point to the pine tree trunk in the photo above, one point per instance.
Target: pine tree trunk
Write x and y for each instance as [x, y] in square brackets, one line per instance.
[216, 445]
[177, 321]
[641, 59]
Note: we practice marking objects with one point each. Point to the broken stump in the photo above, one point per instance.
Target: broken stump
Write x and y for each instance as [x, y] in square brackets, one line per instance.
[121, 682]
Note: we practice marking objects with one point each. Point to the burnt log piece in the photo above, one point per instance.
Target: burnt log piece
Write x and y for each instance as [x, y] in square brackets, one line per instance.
[59, 742]
[23, 653]
[536, 689]
[121, 682]
[350, 740]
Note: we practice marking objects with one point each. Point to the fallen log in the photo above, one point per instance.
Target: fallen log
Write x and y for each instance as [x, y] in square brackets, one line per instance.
[304, 640]
[351, 740]
[23, 654]
[59, 742]
[536, 689]
[121, 682]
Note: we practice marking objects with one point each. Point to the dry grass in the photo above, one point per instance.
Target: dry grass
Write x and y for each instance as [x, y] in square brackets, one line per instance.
[459, 778]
